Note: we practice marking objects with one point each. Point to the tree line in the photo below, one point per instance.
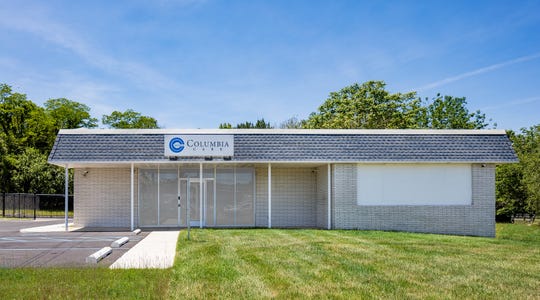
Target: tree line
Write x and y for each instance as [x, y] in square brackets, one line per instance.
[370, 106]
[28, 132]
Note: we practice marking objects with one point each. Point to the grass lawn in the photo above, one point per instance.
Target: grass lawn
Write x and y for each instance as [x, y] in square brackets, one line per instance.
[261, 263]
[29, 214]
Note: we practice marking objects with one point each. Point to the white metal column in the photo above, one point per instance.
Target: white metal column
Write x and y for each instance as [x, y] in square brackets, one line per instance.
[158, 195]
[269, 195]
[66, 197]
[132, 188]
[329, 185]
[215, 209]
[201, 195]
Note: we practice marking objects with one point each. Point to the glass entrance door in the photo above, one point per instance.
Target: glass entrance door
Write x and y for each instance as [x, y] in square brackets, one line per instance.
[169, 212]
[190, 200]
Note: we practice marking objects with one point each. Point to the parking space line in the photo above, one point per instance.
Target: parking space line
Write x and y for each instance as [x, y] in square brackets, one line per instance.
[47, 249]
[53, 239]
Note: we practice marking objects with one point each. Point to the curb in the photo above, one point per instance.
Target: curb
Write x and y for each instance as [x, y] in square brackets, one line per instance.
[95, 257]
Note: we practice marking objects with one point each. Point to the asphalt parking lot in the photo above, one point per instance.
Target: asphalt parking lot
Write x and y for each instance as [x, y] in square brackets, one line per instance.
[56, 249]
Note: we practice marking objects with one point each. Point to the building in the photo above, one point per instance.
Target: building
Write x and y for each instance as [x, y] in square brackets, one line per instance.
[436, 181]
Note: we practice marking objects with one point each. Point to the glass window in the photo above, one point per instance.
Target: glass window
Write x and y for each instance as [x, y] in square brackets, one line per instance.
[225, 196]
[168, 197]
[228, 195]
[148, 187]
[244, 197]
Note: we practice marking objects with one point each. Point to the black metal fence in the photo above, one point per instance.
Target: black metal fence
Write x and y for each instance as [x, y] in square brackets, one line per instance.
[18, 205]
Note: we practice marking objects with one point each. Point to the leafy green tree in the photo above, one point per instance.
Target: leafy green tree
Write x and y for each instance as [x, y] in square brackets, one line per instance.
[27, 133]
[447, 112]
[225, 126]
[511, 193]
[23, 123]
[68, 114]
[33, 174]
[368, 105]
[518, 185]
[528, 145]
[259, 124]
[5, 166]
[128, 119]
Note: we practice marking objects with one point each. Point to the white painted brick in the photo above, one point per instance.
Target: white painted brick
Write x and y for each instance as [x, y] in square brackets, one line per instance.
[102, 197]
[476, 219]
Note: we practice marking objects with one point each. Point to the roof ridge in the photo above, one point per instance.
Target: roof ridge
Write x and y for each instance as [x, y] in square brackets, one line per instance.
[289, 131]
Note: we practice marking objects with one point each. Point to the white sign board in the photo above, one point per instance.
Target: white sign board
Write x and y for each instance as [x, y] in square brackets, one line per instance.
[187, 145]
[414, 184]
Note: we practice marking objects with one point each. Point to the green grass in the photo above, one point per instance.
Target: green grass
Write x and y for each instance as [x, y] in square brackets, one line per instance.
[29, 214]
[88, 283]
[283, 264]
[344, 264]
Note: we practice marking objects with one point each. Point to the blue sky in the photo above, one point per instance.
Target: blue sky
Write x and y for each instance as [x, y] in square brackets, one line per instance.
[195, 64]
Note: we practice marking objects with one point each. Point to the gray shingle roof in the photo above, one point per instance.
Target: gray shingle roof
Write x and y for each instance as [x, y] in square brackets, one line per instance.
[407, 146]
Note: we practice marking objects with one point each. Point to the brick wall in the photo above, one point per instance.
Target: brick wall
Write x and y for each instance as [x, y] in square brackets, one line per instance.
[477, 219]
[102, 197]
[261, 197]
[322, 197]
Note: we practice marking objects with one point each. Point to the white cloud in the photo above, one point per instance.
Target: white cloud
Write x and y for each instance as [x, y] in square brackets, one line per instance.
[477, 72]
[35, 23]
[513, 103]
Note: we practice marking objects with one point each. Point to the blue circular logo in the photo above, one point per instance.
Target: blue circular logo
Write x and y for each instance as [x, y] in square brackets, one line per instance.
[176, 145]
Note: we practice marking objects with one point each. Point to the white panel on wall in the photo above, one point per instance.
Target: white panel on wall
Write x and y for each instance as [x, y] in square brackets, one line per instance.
[414, 184]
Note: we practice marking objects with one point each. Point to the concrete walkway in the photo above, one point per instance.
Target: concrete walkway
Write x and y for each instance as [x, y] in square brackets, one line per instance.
[50, 228]
[156, 251]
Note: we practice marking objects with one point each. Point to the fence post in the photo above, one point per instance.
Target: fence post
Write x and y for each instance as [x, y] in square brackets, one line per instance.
[3, 204]
[35, 206]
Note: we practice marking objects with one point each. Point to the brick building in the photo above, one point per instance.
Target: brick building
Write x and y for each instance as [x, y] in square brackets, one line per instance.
[436, 181]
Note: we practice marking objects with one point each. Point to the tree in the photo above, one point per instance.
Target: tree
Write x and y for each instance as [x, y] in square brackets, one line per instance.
[291, 123]
[447, 112]
[23, 123]
[511, 193]
[225, 126]
[528, 145]
[518, 185]
[128, 119]
[69, 114]
[370, 106]
[33, 174]
[259, 124]
[5, 166]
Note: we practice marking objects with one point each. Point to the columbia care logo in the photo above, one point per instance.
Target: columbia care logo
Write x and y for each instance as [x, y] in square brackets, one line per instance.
[176, 145]
[199, 145]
